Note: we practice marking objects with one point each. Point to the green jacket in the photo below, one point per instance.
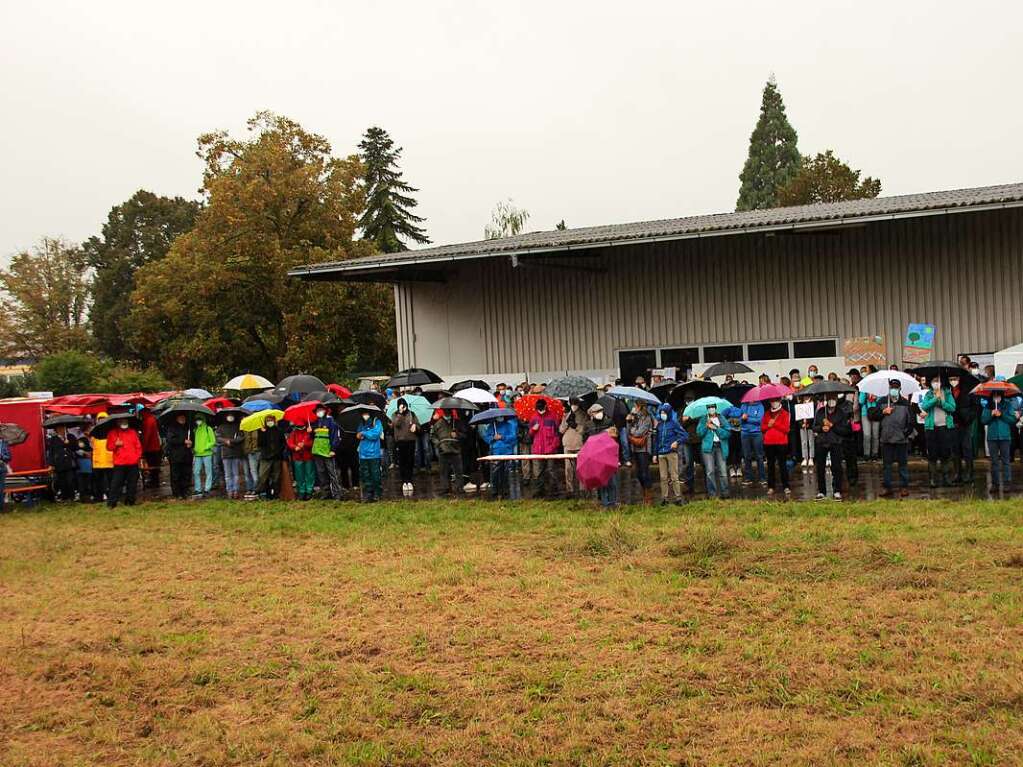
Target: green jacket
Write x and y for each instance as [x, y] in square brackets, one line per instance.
[203, 440]
[948, 404]
[999, 428]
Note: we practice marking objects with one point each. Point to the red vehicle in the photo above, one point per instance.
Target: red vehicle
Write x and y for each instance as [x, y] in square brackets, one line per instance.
[29, 471]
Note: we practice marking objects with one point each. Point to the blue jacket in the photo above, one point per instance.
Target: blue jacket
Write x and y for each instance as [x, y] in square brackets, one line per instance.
[754, 412]
[706, 435]
[508, 429]
[333, 431]
[998, 428]
[369, 445]
[668, 431]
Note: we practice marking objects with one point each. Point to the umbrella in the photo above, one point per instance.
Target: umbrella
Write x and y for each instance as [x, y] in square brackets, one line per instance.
[339, 391]
[492, 414]
[476, 396]
[295, 386]
[197, 393]
[525, 407]
[697, 389]
[662, 390]
[726, 368]
[420, 407]
[470, 383]
[766, 392]
[248, 381]
[633, 393]
[303, 413]
[436, 394]
[65, 420]
[735, 392]
[351, 418]
[219, 403]
[12, 434]
[877, 384]
[698, 409]
[172, 401]
[570, 386]
[369, 397]
[454, 403]
[104, 425]
[403, 379]
[823, 388]
[597, 462]
[324, 397]
[223, 413]
[1018, 380]
[255, 405]
[943, 369]
[191, 409]
[256, 421]
[989, 388]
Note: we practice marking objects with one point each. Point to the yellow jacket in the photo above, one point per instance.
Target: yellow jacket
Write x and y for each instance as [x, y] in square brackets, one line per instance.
[101, 457]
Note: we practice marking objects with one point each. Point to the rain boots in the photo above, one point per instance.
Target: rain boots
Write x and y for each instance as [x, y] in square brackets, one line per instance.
[932, 473]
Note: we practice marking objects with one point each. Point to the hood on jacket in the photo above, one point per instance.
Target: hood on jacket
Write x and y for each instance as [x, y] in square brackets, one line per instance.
[666, 408]
[594, 409]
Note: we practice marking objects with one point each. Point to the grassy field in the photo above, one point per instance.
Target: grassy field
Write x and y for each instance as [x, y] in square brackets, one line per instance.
[534, 634]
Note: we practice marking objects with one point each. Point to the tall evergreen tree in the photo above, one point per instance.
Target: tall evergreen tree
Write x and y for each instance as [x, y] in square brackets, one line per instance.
[773, 155]
[388, 220]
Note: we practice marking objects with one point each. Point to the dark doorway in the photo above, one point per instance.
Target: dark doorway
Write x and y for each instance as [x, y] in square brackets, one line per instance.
[636, 363]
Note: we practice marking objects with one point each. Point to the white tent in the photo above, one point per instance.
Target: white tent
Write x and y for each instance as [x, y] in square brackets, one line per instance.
[1007, 359]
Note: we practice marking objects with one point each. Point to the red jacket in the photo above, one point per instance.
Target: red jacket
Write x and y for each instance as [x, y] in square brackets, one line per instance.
[775, 427]
[150, 433]
[130, 451]
[300, 443]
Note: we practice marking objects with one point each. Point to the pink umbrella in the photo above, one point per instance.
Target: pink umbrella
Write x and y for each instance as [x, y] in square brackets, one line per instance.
[597, 462]
[766, 392]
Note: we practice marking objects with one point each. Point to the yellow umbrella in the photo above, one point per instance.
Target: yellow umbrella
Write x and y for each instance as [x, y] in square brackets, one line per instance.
[256, 421]
[247, 381]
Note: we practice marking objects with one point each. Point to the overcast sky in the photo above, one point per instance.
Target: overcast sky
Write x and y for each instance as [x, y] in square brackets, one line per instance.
[595, 112]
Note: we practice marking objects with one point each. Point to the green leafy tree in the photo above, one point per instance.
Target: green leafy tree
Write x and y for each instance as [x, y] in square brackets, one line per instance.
[773, 154]
[388, 220]
[44, 299]
[221, 301]
[71, 372]
[121, 379]
[137, 232]
[825, 178]
[506, 221]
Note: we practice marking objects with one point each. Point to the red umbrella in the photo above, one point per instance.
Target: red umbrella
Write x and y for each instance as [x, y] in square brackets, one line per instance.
[989, 388]
[343, 392]
[302, 414]
[219, 403]
[597, 462]
[766, 392]
[525, 407]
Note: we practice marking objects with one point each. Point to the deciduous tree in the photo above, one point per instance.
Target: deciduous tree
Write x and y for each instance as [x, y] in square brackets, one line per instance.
[506, 220]
[825, 178]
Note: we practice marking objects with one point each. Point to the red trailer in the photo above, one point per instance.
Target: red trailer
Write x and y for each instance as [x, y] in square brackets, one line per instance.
[29, 470]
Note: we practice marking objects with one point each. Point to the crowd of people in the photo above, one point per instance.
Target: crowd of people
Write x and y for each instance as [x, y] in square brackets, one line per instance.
[754, 441]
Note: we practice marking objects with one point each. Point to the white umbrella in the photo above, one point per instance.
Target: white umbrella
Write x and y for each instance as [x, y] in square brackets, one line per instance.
[477, 396]
[247, 381]
[876, 384]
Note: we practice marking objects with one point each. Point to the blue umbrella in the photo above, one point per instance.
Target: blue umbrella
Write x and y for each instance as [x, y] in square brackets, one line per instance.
[492, 415]
[255, 405]
[633, 393]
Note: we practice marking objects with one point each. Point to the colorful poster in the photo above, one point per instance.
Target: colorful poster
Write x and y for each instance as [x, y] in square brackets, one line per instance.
[865, 350]
[919, 342]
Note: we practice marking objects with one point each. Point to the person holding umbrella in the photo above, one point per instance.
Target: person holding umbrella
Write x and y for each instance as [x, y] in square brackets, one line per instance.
[598, 422]
[999, 415]
[325, 444]
[543, 428]
[571, 430]
[272, 450]
[60, 454]
[831, 427]
[300, 444]
[895, 427]
[752, 439]
[178, 443]
[83, 451]
[669, 440]
[203, 441]
[5, 460]
[102, 464]
[231, 441]
[370, 433]
[775, 429]
[124, 443]
[446, 435]
[406, 426]
[152, 450]
[714, 434]
[641, 430]
[500, 431]
[963, 420]
[938, 405]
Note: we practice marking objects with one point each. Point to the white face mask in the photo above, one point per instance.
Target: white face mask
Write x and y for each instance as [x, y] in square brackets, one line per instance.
[575, 408]
[270, 423]
[124, 425]
[712, 411]
[321, 413]
[935, 385]
[953, 382]
[365, 416]
[598, 416]
[832, 403]
[230, 419]
[664, 416]
[775, 406]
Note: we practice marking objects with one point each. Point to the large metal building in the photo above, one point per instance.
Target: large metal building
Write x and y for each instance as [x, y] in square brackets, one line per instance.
[774, 287]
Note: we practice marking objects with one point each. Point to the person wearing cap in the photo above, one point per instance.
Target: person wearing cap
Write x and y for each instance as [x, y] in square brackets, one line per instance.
[896, 425]
[598, 421]
[938, 405]
[999, 416]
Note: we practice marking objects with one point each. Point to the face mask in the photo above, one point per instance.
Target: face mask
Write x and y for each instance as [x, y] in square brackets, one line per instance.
[953, 382]
[365, 416]
[541, 410]
[811, 372]
[575, 408]
[664, 416]
[712, 411]
[841, 396]
[894, 393]
[230, 419]
[832, 403]
[321, 413]
[598, 416]
[125, 425]
[775, 406]
[935, 385]
[997, 398]
[270, 423]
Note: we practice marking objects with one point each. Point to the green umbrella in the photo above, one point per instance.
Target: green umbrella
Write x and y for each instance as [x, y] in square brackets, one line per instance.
[420, 407]
[1018, 380]
[698, 409]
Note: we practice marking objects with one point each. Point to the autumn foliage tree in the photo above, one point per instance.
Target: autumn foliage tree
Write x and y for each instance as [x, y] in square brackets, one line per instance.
[221, 301]
[825, 178]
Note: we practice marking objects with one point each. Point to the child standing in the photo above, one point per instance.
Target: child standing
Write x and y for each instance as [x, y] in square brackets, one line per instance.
[369, 435]
[300, 443]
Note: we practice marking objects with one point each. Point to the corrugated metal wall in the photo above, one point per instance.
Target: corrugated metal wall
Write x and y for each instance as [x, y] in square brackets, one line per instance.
[962, 272]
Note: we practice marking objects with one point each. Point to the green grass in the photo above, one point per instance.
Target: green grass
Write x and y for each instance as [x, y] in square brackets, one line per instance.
[521, 634]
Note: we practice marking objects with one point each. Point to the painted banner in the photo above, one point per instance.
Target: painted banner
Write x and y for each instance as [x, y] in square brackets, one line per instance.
[919, 342]
[865, 350]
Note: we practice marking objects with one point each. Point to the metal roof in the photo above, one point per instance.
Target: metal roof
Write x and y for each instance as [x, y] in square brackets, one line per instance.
[824, 215]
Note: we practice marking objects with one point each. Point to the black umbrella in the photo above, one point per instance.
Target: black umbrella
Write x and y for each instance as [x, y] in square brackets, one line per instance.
[944, 369]
[694, 390]
[351, 418]
[221, 415]
[191, 409]
[12, 434]
[823, 388]
[300, 384]
[662, 390]
[436, 394]
[735, 392]
[164, 405]
[470, 383]
[413, 377]
[726, 368]
[266, 396]
[326, 397]
[454, 403]
[369, 397]
[104, 425]
[65, 420]
[570, 386]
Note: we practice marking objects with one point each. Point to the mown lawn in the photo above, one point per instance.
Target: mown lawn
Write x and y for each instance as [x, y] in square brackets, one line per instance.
[535, 634]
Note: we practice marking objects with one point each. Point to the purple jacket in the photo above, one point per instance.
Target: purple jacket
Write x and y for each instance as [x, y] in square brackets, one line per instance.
[545, 439]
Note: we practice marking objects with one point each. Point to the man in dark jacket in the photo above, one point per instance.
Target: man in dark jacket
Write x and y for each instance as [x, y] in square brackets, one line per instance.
[178, 446]
[962, 440]
[898, 424]
[831, 428]
[61, 455]
[272, 447]
[231, 441]
[447, 434]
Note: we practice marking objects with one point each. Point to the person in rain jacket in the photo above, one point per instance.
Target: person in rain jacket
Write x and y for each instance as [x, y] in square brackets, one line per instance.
[406, 429]
[939, 430]
[502, 436]
[83, 450]
[272, 450]
[964, 418]
[751, 415]
[599, 421]
[300, 444]
[999, 415]
[102, 465]
[178, 438]
[831, 427]
[326, 442]
[544, 429]
[896, 426]
[571, 430]
[640, 427]
[60, 454]
[669, 440]
[124, 443]
[152, 451]
[446, 435]
[370, 433]
[203, 440]
[775, 428]
[714, 433]
[231, 441]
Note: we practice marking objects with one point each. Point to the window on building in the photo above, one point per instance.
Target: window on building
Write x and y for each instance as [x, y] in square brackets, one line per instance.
[680, 357]
[814, 349]
[778, 350]
[637, 362]
[731, 353]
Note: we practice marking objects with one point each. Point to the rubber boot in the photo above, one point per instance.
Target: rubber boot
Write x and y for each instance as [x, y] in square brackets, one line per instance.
[932, 473]
[957, 465]
[946, 473]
